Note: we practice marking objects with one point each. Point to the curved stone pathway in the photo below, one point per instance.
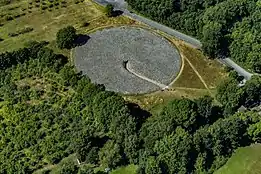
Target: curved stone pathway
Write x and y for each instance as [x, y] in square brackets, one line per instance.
[128, 67]
[154, 60]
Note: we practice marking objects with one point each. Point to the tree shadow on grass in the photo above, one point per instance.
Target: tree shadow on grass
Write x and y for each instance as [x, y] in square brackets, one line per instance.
[116, 13]
[81, 39]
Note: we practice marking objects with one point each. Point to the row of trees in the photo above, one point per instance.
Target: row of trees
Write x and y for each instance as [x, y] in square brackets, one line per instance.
[225, 27]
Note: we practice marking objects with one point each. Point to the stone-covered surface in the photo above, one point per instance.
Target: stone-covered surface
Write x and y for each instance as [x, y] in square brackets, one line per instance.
[150, 55]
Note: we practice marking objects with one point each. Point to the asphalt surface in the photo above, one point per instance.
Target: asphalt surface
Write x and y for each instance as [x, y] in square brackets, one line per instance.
[121, 5]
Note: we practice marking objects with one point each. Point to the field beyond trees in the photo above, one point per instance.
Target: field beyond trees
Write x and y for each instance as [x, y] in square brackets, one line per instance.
[245, 160]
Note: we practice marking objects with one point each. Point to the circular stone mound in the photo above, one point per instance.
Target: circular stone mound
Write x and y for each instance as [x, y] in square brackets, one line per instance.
[102, 59]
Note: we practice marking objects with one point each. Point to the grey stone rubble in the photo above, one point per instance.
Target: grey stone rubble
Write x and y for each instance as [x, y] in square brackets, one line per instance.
[152, 56]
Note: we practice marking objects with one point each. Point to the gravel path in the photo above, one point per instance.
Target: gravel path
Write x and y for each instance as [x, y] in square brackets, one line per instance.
[151, 56]
[129, 68]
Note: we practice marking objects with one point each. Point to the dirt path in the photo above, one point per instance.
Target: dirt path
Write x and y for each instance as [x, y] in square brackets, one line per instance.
[200, 77]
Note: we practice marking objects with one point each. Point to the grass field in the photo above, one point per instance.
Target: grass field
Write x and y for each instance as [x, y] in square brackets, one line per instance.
[130, 169]
[246, 160]
[188, 78]
[46, 23]
[154, 102]
[211, 71]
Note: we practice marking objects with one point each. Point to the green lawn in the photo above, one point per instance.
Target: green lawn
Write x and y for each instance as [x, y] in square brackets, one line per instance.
[188, 78]
[130, 169]
[246, 160]
[154, 102]
[45, 23]
[211, 71]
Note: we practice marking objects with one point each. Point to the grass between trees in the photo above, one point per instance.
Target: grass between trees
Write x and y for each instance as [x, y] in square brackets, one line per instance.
[130, 169]
[245, 160]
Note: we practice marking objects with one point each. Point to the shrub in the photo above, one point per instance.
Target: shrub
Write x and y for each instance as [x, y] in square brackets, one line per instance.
[25, 30]
[17, 16]
[43, 7]
[22, 31]
[109, 10]
[5, 2]
[1, 39]
[65, 37]
[9, 18]
[85, 24]
[13, 34]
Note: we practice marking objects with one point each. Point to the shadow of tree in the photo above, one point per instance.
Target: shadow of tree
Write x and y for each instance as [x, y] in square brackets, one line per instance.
[116, 13]
[81, 40]
[138, 113]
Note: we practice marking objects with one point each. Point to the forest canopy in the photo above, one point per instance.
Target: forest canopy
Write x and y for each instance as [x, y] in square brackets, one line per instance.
[48, 112]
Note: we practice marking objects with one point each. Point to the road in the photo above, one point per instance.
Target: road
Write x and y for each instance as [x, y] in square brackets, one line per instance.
[241, 71]
[122, 5]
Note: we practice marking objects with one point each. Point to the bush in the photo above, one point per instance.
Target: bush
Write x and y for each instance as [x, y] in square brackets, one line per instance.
[43, 7]
[12, 34]
[22, 31]
[65, 37]
[5, 2]
[9, 18]
[228, 68]
[1, 39]
[85, 24]
[109, 10]
[17, 16]
[25, 30]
